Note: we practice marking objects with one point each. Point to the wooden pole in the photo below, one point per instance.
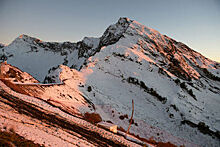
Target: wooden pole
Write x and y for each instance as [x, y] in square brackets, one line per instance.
[131, 116]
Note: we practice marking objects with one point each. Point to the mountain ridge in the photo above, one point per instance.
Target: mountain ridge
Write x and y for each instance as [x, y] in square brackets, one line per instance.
[175, 88]
[112, 34]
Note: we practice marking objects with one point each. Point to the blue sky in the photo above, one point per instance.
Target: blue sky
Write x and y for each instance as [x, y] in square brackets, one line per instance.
[193, 22]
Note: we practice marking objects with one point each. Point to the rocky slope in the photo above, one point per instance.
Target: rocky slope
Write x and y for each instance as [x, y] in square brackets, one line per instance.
[175, 89]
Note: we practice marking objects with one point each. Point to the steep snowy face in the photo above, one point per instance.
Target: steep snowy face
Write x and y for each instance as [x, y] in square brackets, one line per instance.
[174, 88]
[175, 57]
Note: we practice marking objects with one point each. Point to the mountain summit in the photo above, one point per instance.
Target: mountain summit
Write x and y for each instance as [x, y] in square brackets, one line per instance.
[175, 89]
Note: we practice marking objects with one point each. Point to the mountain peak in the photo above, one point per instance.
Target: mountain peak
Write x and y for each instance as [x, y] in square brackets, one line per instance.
[24, 36]
[114, 32]
[124, 20]
[27, 38]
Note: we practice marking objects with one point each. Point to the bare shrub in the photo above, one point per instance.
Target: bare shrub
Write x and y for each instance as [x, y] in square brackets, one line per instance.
[92, 117]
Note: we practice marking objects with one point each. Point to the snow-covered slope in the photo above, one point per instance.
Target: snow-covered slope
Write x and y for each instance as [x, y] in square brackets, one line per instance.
[47, 125]
[63, 93]
[176, 90]
[38, 58]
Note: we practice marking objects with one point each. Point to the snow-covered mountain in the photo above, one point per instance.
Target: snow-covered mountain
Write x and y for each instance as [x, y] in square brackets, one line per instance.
[46, 55]
[176, 90]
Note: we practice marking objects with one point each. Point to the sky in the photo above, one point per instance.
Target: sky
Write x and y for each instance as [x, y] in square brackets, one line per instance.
[193, 22]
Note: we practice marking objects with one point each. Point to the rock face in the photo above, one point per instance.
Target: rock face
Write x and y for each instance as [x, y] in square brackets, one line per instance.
[175, 89]
[2, 45]
[114, 32]
[13, 74]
